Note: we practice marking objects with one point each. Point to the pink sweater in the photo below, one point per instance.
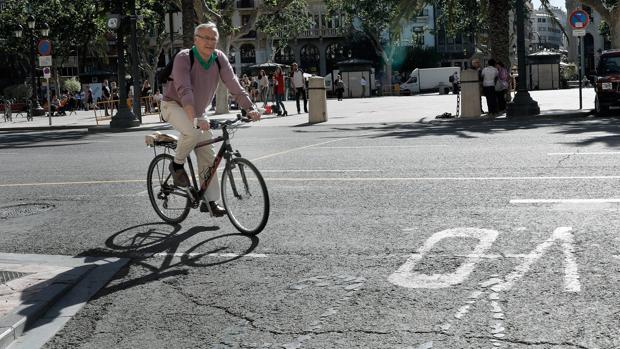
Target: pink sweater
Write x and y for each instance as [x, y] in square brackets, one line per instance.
[198, 87]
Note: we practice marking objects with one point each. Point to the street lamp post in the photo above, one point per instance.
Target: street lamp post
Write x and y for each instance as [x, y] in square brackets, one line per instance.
[124, 117]
[522, 104]
[37, 110]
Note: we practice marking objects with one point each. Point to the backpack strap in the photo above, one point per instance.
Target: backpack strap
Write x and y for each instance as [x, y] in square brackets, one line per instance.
[191, 59]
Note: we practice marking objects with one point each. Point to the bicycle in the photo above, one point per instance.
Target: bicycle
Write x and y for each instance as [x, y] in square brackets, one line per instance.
[243, 189]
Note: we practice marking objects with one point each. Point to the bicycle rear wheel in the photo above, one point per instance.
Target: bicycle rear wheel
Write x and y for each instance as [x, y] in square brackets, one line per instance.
[245, 197]
[171, 203]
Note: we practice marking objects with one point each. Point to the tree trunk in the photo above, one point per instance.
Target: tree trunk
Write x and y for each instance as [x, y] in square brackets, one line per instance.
[187, 14]
[499, 37]
[221, 96]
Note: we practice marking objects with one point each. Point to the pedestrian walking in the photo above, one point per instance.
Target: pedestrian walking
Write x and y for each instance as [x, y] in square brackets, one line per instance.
[89, 100]
[297, 82]
[364, 83]
[106, 95]
[278, 81]
[489, 77]
[145, 93]
[501, 86]
[263, 84]
[454, 79]
[339, 87]
[185, 103]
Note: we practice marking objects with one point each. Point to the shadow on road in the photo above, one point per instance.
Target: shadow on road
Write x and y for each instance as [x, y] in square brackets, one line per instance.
[34, 139]
[138, 243]
[161, 240]
[472, 129]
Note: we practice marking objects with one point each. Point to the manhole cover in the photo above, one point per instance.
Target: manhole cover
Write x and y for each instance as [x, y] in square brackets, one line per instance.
[23, 210]
[6, 276]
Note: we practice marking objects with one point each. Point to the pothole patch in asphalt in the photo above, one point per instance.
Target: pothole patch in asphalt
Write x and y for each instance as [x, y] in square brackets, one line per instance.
[22, 210]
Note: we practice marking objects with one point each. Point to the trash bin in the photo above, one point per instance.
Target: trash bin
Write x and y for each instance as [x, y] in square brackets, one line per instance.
[470, 93]
[317, 100]
[443, 89]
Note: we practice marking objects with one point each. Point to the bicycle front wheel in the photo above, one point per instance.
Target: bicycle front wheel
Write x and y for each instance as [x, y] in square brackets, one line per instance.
[171, 203]
[245, 197]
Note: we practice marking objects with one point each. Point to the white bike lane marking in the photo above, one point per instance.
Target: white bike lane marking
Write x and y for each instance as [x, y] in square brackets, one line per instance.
[492, 287]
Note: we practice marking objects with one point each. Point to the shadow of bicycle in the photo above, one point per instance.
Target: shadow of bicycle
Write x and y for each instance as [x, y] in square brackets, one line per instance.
[156, 248]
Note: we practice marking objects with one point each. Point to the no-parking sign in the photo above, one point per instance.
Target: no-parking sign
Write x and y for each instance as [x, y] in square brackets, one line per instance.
[579, 19]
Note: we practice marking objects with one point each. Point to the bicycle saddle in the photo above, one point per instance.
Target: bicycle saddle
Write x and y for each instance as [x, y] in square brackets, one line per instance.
[159, 138]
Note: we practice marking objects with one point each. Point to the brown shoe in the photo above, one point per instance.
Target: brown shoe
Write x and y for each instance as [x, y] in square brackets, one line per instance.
[179, 177]
[218, 211]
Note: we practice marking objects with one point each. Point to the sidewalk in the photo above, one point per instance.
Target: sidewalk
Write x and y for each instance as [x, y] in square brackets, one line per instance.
[389, 109]
[40, 293]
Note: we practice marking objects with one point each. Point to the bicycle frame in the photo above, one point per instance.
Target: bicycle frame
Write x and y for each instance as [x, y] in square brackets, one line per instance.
[225, 152]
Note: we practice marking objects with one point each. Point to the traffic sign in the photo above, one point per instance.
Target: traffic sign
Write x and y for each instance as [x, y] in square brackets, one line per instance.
[47, 73]
[579, 19]
[45, 47]
[579, 32]
[45, 61]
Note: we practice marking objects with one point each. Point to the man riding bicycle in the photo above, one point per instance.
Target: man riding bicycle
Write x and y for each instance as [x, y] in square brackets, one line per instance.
[185, 101]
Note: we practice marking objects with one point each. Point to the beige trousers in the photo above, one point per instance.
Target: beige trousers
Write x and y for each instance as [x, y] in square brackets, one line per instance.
[174, 114]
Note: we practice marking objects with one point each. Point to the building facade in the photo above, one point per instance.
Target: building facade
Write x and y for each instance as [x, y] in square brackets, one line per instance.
[593, 41]
[546, 32]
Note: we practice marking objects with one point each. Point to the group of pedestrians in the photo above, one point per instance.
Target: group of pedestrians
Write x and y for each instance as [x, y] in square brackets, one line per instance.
[265, 87]
[495, 83]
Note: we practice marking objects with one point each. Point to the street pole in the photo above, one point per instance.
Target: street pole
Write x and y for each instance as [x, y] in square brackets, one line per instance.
[522, 104]
[124, 117]
[37, 110]
[49, 105]
[579, 48]
[137, 110]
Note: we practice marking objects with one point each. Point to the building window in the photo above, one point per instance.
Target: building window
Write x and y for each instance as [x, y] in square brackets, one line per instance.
[284, 55]
[248, 54]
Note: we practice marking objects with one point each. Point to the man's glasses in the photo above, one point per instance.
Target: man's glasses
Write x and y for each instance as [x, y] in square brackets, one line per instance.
[206, 38]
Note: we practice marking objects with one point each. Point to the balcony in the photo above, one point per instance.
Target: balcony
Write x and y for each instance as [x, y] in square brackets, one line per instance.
[245, 4]
[316, 33]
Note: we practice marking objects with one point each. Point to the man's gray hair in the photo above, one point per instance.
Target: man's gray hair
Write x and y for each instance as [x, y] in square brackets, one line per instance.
[210, 25]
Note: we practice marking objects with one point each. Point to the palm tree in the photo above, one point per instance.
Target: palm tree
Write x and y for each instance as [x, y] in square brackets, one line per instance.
[189, 18]
[499, 27]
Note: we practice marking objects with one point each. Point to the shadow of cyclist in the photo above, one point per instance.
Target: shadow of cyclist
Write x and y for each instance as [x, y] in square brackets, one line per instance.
[149, 242]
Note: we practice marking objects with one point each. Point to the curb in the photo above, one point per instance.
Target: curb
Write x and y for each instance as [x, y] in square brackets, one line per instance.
[42, 314]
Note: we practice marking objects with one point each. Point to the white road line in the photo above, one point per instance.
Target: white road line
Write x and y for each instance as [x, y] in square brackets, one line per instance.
[73, 183]
[389, 179]
[336, 171]
[336, 179]
[296, 149]
[224, 255]
[571, 273]
[386, 146]
[592, 153]
[564, 201]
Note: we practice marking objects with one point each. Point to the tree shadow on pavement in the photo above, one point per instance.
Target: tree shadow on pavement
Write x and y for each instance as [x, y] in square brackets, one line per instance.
[470, 129]
[33, 140]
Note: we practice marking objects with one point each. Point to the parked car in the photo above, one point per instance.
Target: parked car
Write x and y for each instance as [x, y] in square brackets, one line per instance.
[608, 82]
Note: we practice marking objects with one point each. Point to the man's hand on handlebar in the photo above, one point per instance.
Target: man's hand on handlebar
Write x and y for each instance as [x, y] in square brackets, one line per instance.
[254, 115]
[203, 124]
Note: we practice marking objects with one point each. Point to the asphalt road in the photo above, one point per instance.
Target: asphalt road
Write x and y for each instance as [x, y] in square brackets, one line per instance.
[477, 234]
